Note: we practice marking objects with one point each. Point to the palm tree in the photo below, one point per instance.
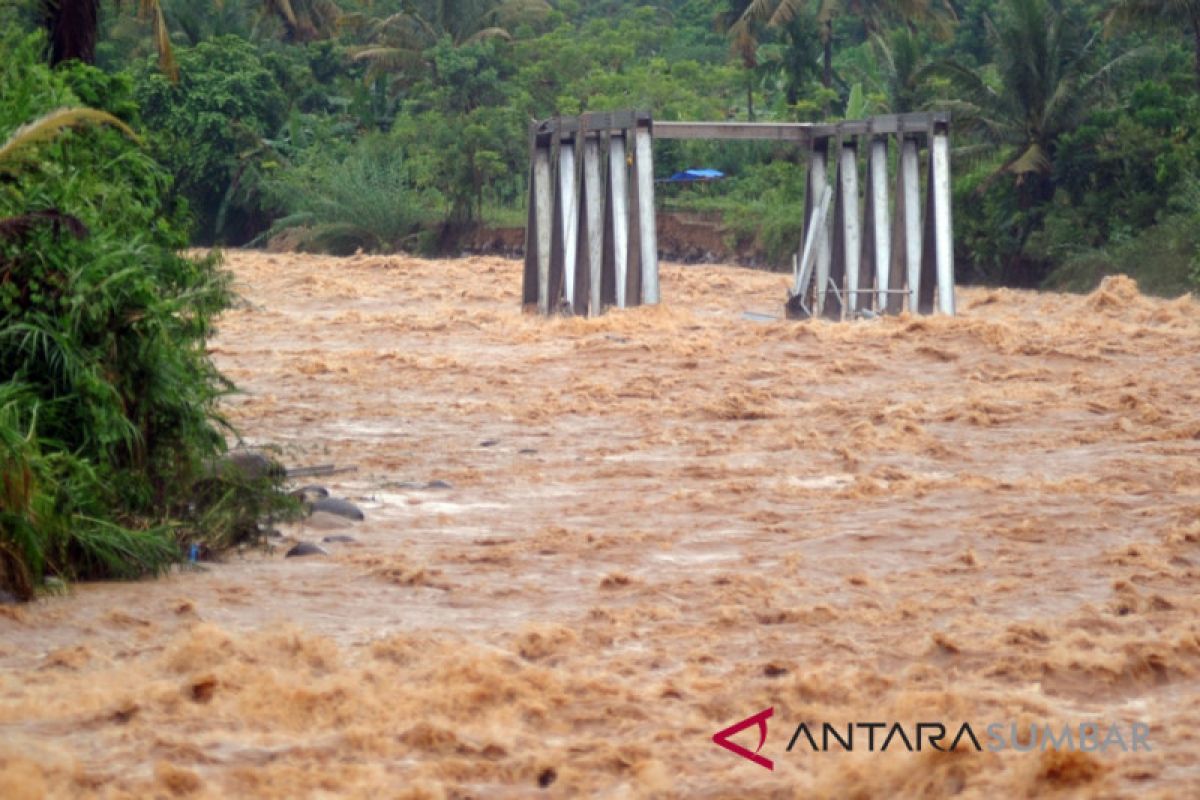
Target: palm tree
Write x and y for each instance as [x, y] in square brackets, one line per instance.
[195, 22]
[303, 20]
[1046, 83]
[471, 20]
[51, 125]
[874, 13]
[74, 25]
[1043, 57]
[798, 55]
[744, 33]
[397, 43]
[902, 56]
[1172, 14]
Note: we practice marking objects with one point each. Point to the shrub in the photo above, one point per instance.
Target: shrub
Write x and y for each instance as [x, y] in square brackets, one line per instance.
[1164, 259]
[209, 131]
[365, 199]
[108, 412]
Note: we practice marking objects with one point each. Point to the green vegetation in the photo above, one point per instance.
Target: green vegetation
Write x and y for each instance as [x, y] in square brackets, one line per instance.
[400, 124]
[107, 415]
[362, 199]
[208, 130]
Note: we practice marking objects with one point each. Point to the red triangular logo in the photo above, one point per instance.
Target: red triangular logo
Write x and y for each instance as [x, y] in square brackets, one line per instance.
[759, 719]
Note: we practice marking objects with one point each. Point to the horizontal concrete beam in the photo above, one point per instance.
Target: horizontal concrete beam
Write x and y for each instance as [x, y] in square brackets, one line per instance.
[799, 132]
[597, 121]
[802, 132]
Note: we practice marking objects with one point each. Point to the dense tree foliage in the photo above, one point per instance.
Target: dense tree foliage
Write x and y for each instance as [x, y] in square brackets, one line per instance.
[209, 129]
[129, 130]
[385, 124]
[400, 123]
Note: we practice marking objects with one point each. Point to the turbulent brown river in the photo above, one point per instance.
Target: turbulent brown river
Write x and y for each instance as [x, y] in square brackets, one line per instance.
[658, 523]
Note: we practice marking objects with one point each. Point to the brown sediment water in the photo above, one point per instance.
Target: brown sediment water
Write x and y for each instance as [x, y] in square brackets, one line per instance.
[659, 522]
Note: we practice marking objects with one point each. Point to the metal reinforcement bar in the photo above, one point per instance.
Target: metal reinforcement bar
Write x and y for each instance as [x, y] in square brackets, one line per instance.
[591, 237]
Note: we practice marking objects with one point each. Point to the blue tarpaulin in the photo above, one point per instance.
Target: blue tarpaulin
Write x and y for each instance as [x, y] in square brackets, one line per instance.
[690, 175]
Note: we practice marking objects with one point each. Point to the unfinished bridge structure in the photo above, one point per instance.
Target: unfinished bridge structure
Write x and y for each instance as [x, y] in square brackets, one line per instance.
[869, 247]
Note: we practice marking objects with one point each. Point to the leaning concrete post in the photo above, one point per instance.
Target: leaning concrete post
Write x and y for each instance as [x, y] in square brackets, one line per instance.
[647, 226]
[939, 187]
[797, 306]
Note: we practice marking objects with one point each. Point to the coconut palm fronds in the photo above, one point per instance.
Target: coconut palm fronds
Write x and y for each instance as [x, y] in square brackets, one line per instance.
[50, 126]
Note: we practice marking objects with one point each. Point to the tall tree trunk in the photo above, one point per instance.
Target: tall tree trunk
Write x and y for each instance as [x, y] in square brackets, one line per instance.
[827, 36]
[1196, 47]
[750, 95]
[72, 27]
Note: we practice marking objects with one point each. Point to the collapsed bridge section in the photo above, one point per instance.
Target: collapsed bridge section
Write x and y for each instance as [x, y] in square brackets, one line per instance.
[591, 239]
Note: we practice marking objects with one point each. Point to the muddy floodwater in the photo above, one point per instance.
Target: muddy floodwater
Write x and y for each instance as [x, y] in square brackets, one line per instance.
[650, 526]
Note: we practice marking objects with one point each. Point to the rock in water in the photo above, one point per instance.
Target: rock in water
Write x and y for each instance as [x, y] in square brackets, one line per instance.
[306, 549]
[342, 508]
[246, 465]
[310, 494]
[341, 538]
[324, 521]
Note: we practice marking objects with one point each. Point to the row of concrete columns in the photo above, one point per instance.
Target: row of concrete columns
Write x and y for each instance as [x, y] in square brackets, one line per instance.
[591, 239]
[591, 236]
[873, 256]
